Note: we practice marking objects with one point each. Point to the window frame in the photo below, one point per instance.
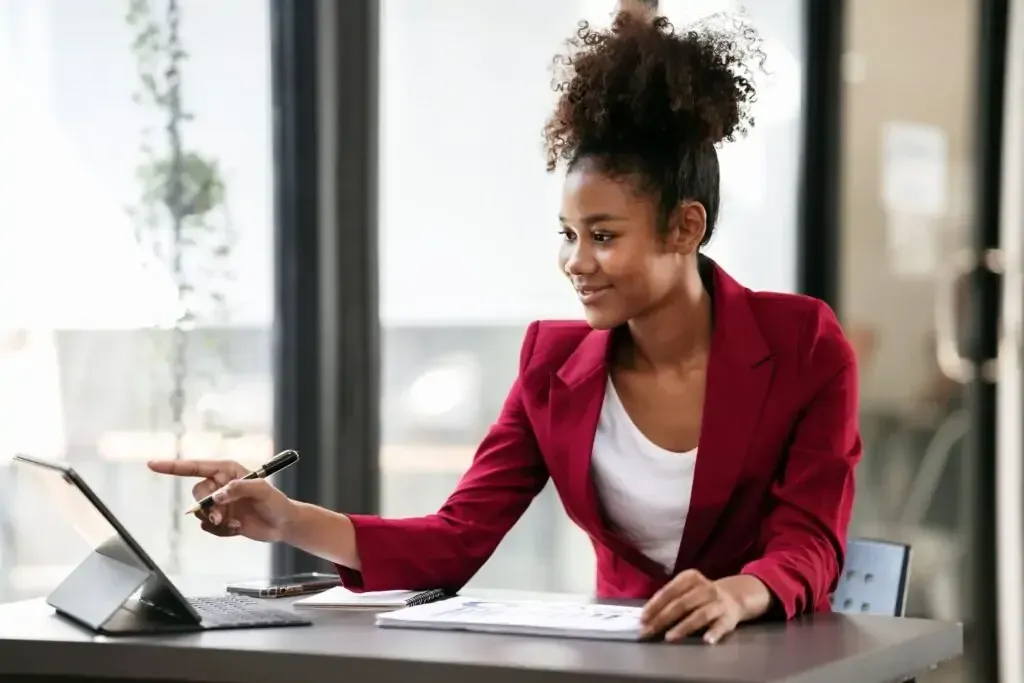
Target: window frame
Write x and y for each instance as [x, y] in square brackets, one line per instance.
[326, 353]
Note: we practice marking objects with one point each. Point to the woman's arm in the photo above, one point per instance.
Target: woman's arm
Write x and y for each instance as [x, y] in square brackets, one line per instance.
[442, 550]
[318, 531]
[445, 549]
[804, 534]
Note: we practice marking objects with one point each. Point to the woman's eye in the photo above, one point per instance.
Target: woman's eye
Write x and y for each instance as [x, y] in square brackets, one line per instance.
[569, 235]
[601, 237]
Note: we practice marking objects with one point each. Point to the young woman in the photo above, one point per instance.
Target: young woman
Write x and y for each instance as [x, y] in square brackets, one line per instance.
[702, 434]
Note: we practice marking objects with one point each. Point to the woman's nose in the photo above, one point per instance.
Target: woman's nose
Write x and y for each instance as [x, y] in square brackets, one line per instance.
[578, 260]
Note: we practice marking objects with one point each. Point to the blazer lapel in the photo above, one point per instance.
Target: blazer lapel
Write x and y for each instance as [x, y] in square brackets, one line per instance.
[577, 394]
[738, 378]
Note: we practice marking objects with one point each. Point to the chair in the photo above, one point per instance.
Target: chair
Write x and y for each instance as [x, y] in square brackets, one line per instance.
[874, 579]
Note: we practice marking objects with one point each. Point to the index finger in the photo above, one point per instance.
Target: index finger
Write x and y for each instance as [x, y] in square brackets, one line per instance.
[671, 590]
[207, 469]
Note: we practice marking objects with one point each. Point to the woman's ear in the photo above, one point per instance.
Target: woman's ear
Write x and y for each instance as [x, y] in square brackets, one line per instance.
[688, 223]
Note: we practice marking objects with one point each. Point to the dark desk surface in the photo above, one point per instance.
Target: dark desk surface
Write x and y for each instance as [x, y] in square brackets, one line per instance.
[347, 646]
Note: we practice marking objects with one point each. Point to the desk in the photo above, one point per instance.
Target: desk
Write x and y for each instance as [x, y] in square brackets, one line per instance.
[348, 647]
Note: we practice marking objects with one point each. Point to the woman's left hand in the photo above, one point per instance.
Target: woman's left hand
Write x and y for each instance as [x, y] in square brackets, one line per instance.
[691, 602]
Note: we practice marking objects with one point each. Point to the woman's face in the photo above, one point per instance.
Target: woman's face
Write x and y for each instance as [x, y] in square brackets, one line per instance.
[619, 265]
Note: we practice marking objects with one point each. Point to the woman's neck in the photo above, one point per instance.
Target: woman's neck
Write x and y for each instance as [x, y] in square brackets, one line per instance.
[672, 336]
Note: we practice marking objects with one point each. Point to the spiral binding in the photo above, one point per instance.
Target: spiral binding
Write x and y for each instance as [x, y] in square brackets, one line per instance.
[428, 596]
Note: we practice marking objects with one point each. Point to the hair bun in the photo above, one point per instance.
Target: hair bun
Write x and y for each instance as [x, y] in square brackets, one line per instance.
[642, 84]
[639, 10]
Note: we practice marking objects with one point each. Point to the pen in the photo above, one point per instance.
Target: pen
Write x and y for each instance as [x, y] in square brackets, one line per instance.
[276, 464]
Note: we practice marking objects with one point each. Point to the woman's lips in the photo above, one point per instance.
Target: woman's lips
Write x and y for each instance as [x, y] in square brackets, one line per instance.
[589, 295]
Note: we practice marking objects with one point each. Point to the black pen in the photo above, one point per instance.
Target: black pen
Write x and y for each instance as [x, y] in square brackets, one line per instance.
[272, 466]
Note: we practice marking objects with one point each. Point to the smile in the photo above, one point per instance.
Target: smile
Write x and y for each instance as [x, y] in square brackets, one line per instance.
[589, 295]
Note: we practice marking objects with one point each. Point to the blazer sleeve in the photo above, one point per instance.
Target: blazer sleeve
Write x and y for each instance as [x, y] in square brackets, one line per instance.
[804, 534]
[445, 549]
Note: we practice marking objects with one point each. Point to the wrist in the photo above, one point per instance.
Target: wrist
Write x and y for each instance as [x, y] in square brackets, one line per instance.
[327, 534]
[292, 521]
[750, 593]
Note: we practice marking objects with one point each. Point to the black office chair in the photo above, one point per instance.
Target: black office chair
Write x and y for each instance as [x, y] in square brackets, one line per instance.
[874, 579]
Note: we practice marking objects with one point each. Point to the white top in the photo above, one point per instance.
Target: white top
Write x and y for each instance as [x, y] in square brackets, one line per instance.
[644, 489]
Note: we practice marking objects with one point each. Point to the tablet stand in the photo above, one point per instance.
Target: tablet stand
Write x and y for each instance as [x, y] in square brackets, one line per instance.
[114, 597]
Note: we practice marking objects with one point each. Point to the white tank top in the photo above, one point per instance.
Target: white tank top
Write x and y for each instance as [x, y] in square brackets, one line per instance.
[644, 489]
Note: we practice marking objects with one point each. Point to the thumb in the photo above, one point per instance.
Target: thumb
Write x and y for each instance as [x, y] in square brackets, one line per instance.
[239, 489]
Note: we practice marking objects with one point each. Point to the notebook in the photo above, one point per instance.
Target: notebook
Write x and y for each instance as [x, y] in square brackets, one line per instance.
[340, 597]
[562, 619]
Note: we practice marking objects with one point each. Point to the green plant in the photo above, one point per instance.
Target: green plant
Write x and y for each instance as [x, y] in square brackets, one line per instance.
[181, 215]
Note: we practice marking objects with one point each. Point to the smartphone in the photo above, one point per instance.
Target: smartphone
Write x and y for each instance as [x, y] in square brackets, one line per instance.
[285, 586]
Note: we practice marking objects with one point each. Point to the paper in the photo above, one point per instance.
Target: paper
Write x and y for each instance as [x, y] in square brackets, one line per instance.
[342, 597]
[915, 169]
[539, 616]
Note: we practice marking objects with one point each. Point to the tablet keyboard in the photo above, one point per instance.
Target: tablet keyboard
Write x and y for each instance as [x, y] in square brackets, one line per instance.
[240, 611]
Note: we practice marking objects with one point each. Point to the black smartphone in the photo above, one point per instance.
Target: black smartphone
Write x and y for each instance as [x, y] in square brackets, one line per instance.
[285, 586]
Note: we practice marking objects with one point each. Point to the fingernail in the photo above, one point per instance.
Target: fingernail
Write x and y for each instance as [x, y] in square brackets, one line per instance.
[215, 517]
[219, 497]
[234, 525]
[710, 640]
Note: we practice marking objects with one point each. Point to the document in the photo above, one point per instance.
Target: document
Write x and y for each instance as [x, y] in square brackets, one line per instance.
[564, 619]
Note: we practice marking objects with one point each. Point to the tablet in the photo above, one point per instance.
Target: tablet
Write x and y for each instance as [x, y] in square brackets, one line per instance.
[118, 589]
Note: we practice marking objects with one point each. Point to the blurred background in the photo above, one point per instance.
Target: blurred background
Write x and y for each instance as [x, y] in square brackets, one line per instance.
[258, 260]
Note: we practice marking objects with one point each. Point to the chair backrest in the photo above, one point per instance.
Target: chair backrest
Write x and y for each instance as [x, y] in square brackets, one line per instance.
[874, 579]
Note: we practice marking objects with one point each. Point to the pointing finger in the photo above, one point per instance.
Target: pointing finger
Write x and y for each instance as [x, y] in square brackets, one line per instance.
[208, 469]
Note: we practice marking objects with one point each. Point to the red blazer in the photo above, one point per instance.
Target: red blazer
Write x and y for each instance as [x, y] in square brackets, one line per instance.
[774, 480]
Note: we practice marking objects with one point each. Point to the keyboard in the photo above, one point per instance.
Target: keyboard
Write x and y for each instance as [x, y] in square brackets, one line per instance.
[241, 611]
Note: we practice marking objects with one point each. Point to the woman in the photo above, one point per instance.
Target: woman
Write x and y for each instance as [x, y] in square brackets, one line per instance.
[703, 435]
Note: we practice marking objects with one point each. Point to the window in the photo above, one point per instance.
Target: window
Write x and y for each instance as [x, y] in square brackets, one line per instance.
[114, 335]
[469, 235]
[908, 155]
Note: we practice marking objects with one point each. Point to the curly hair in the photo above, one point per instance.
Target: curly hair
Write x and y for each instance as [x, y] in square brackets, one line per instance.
[650, 102]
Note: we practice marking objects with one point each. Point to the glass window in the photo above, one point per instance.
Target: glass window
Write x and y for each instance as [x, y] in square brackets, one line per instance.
[906, 214]
[135, 261]
[469, 234]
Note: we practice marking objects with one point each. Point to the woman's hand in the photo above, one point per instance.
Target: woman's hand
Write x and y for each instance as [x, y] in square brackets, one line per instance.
[253, 508]
[691, 602]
